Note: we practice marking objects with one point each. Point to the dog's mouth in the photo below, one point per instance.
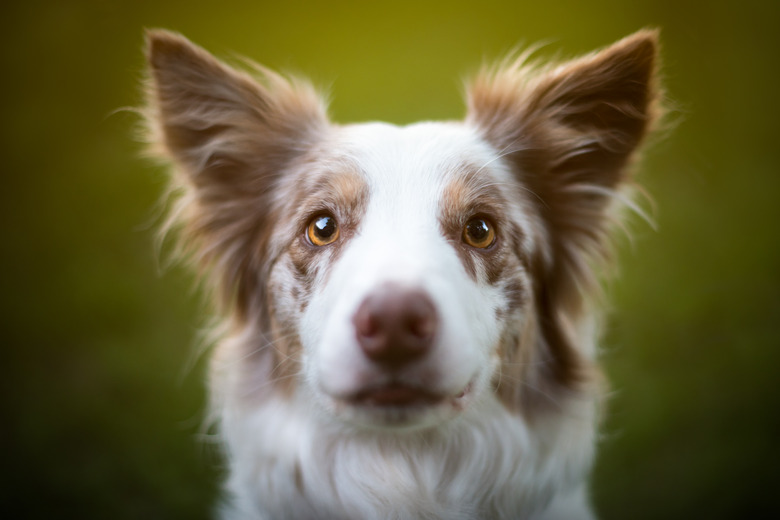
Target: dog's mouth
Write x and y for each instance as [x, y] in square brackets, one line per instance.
[396, 395]
[401, 405]
[404, 396]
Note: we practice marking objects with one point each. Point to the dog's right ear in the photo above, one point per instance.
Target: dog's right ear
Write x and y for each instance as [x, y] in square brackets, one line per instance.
[218, 123]
[230, 136]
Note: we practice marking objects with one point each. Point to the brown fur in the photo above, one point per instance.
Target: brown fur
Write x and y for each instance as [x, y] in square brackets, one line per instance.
[231, 137]
[570, 132]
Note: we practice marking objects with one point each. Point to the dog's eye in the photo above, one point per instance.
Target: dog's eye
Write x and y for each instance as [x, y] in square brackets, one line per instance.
[479, 232]
[322, 230]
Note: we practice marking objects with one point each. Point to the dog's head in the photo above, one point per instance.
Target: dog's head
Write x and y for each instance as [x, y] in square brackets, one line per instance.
[397, 275]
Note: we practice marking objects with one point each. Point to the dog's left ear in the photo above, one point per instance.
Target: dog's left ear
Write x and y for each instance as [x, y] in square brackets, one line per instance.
[569, 133]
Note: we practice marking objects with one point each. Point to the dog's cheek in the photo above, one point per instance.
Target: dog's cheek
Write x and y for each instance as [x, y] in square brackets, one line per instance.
[514, 295]
[288, 293]
[510, 289]
[308, 287]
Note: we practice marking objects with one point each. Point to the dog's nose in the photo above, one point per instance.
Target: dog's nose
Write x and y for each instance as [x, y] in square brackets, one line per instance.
[395, 325]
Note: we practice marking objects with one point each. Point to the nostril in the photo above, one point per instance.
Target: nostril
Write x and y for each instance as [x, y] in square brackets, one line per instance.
[365, 323]
[421, 318]
[395, 326]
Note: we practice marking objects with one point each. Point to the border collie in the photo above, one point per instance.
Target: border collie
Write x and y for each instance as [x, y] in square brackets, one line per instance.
[409, 312]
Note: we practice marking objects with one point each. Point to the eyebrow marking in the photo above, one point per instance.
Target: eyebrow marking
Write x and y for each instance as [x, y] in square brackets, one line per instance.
[472, 192]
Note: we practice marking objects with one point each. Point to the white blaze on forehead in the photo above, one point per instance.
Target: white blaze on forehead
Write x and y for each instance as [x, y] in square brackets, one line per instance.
[417, 158]
[407, 169]
[400, 239]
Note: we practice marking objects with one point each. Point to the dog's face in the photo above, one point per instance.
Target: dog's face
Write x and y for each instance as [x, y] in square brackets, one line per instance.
[398, 275]
[403, 271]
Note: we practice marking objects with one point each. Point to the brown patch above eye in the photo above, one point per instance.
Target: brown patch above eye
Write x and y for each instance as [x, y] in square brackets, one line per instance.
[471, 216]
[327, 207]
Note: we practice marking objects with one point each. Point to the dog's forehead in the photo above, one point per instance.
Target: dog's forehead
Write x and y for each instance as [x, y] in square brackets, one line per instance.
[415, 161]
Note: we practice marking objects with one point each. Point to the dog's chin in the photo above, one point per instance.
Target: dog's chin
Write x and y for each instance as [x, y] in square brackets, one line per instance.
[400, 407]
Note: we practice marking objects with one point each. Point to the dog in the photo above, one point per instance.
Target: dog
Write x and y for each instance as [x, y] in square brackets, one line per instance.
[409, 313]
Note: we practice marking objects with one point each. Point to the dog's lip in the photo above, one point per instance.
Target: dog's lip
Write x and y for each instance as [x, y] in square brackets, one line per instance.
[395, 394]
[402, 395]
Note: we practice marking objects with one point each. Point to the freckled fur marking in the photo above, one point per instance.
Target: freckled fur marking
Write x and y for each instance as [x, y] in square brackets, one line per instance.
[343, 193]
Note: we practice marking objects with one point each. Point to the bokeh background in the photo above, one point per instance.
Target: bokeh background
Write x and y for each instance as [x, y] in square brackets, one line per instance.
[101, 389]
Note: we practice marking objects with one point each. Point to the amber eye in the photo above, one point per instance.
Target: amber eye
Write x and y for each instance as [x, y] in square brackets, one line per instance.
[479, 232]
[322, 230]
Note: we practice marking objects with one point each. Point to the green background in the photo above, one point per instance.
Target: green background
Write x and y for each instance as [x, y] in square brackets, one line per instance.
[101, 384]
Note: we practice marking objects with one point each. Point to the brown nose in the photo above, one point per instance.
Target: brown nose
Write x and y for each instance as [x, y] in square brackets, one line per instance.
[395, 325]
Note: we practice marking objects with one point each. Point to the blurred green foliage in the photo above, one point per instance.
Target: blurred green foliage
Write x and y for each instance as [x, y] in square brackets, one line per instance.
[101, 413]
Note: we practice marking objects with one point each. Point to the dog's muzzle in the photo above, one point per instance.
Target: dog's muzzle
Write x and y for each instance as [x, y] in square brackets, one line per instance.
[396, 327]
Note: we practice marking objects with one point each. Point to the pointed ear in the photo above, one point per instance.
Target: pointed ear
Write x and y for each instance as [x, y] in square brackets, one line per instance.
[575, 124]
[569, 132]
[230, 137]
[211, 118]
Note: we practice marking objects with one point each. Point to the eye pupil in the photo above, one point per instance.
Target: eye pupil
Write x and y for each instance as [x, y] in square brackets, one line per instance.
[479, 233]
[478, 229]
[325, 226]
